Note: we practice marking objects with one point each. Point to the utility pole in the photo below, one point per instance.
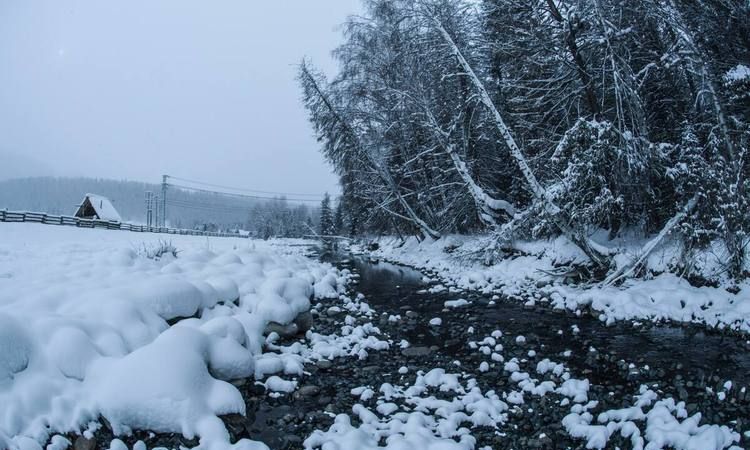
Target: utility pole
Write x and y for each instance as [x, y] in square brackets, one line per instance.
[164, 200]
[149, 208]
[156, 211]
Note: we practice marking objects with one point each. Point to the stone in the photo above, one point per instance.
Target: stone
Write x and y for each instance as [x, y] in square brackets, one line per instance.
[299, 325]
[416, 351]
[287, 330]
[239, 382]
[324, 364]
[304, 321]
[237, 425]
[292, 440]
[307, 391]
[83, 443]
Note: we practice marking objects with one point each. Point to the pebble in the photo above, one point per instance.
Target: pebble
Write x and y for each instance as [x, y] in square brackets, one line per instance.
[324, 364]
[416, 351]
[334, 311]
[307, 391]
[82, 443]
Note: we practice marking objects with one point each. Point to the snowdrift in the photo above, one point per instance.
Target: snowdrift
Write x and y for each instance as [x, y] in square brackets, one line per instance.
[85, 329]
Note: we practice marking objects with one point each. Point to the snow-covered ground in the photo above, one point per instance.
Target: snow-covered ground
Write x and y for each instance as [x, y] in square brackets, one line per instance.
[529, 278]
[94, 326]
[85, 330]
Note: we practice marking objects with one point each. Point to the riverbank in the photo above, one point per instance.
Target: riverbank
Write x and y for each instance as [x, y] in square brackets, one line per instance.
[543, 272]
[464, 372]
[390, 365]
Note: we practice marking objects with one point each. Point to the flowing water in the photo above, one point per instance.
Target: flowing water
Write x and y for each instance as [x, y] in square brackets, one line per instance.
[696, 352]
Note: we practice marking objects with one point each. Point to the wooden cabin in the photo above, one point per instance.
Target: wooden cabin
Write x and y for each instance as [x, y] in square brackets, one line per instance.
[99, 207]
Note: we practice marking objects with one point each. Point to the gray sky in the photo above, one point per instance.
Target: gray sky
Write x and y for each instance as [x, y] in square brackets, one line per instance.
[131, 89]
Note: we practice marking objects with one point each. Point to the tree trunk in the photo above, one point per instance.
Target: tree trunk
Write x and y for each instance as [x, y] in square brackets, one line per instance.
[646, 250]
[583, 74]
[487, 206]
[382, 172]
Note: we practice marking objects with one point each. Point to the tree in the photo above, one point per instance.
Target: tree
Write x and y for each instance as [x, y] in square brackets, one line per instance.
[327, 227]
[541, 118]
[338, 219]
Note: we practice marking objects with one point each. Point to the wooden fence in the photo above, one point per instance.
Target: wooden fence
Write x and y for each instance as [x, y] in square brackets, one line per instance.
[50, 219]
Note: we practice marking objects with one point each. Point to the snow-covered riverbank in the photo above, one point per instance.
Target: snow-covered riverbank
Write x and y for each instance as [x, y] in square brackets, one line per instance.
[102, 342]
[85, 329]
[538, 276]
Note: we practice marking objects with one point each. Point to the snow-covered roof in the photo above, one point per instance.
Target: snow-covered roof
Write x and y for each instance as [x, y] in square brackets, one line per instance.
[103, 207]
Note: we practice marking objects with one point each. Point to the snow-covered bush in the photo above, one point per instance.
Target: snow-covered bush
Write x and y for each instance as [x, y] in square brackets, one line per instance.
[604, 180]
[157, 250]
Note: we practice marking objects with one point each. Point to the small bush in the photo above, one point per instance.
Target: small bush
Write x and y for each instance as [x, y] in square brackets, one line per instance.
[157, 250]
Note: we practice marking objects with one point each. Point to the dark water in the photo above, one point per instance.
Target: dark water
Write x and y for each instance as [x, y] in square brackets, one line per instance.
[691, 350]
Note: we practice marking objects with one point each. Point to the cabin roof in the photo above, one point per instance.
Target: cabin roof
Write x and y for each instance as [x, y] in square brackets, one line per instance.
[102, 207]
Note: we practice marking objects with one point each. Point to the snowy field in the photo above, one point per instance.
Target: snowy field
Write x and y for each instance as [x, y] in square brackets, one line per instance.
[534, 277]
[84, 329]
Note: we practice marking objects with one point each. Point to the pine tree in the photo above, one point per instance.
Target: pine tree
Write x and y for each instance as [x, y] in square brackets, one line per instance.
[338, 219]
[326, 217]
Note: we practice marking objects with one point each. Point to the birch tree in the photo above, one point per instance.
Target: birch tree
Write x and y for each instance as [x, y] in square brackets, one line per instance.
[595, 252]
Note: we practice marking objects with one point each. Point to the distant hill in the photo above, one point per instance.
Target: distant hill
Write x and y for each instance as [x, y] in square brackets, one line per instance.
[57, 195]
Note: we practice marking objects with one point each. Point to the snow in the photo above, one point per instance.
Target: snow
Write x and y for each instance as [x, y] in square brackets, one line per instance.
[739, 72]
[278, 384]
[417, 420]
[85, 330]
[456, 303]
[667, 425]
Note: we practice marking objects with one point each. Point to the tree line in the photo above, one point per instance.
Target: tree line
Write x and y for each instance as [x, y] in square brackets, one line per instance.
[593, 119]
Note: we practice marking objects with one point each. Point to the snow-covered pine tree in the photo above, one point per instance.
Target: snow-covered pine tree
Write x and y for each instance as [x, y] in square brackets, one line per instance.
[326, 226]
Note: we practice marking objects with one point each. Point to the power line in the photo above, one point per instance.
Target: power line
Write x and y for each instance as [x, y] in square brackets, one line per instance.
[317, 196]
[208, 207]
[221, 208]
[231, 194]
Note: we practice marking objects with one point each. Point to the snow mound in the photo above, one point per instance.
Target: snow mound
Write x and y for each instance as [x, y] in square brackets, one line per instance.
[91, 329]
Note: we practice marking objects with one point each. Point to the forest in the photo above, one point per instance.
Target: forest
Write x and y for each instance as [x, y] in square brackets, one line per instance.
[607, 122]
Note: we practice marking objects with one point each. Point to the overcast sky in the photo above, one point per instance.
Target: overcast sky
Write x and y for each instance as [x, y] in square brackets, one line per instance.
[132, 89]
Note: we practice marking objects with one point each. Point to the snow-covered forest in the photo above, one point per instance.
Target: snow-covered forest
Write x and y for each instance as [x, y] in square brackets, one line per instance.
[614, 124]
